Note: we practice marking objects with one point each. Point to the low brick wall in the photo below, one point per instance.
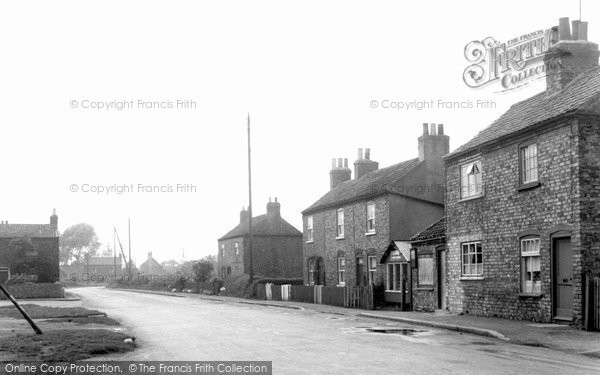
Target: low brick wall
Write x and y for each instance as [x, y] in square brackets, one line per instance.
[35, 290]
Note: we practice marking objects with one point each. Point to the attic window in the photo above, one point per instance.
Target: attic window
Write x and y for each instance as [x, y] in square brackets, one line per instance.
[470, 179]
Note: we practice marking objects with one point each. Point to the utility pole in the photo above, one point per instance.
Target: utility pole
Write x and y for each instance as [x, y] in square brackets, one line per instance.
[129, 235]
[115, 254]
[36, 329]
[251, 268]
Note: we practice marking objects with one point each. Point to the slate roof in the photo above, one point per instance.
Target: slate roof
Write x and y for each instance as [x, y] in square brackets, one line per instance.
[264, 226]
[434, 231]
[383, 180]
[29, 230]
[581, 95]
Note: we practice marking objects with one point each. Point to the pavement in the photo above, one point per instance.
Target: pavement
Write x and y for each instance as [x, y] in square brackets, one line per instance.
[559, 337]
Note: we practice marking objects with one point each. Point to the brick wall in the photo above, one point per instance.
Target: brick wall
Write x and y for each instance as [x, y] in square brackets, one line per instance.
[497, 219]
[35, 290]
[425, 297]
[273, 256]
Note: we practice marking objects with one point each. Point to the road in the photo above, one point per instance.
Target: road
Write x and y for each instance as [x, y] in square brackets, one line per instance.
[312, 342]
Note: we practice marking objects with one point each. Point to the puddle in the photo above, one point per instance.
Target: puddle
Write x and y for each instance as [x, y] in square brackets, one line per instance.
[397, 331]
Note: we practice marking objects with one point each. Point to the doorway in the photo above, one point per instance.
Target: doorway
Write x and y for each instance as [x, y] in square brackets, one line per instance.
[360, 272]
[441, 278]
[562, 277]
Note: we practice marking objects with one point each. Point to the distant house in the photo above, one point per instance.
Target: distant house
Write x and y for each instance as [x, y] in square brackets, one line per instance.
[276, 246]
[103, 269]
[30, 251]
[523, 198]
[152, 268]
[350, 228]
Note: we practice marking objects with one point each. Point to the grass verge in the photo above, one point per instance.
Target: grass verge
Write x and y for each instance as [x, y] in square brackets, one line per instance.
[46, 312]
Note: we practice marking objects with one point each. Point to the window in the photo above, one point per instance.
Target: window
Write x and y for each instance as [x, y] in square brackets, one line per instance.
[472, 259]
[341, 264]
[371, 217]
[372, 260]
[222, 250]
[530, 265]
[309, 229]
[237, 248]
[528, 160]
[425, 271]
[470, 179]
[395, 275]
[312, 271]
[340, 223]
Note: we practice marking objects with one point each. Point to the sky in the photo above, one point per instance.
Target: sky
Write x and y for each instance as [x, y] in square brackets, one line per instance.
[137, 97]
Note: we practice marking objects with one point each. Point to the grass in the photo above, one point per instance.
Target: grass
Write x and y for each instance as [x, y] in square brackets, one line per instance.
[46, 312]
[86, 320]
[64, 345]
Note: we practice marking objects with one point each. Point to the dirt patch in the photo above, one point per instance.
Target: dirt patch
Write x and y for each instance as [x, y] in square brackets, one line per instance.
[64, 345]
[47, 312]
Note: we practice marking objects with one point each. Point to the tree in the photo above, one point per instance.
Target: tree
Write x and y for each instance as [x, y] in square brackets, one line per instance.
[202, 270]
[76, 242]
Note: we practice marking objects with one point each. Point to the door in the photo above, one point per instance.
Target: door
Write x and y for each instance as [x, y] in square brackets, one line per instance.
[441, 279]
[563, 279]
[360, 272]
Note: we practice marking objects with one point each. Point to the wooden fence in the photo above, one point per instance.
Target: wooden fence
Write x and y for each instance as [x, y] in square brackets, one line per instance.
[356, 297]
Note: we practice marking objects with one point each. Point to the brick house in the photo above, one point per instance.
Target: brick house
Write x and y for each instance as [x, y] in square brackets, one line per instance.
[522, 200]
[30, 251]
[429, 268]
[276, 246]
[350, 228]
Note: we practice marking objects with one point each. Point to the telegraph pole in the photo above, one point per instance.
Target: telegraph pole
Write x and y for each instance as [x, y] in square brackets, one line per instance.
[251, 268]
[129, 235]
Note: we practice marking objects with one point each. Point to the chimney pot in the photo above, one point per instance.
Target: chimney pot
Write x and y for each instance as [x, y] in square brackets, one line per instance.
[360, 154]
[440, 129]
[583, 31]
[575, 29]
[275, 199]
[432, 132]
[368, 153]
[332, 163]
[340, 163]
[345, 163]
[564, 30]
[425, 128]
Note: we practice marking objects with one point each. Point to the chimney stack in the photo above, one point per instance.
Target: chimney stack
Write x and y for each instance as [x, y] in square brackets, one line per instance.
[244, 215]
[54, 222]
[364, 164]
[433, 146]
[571, 55]
[339, 172]
[273, 209]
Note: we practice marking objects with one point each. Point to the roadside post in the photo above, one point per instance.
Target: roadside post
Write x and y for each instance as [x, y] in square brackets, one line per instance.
[14, 301]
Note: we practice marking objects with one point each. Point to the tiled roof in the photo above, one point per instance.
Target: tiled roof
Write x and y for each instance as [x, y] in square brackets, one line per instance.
[103, 261]
[29, 230]
[434, 231]
[582, 95]
[264, 226]
[376, 182]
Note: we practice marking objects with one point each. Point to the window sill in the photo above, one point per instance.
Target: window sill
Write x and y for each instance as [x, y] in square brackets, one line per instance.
[465, 199]
[531, 295]
[340, 238]
[310, 241]
[425, 288]
[472, 278]
[370, 233]
[341, 285]
[529, 185]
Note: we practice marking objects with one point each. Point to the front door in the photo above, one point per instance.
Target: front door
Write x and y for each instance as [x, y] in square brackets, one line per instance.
[563, 279]
[441, 279]
[360, 272]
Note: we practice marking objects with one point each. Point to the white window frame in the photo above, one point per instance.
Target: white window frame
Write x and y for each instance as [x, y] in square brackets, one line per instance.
[471, 182]
[309, 229]
[341, 269]
[236, 247]
[340, 223]
[472, 267]
[222, 250]
[529, 165]
[312, 271]
[370, 218]
[425, 264]
[530, 265]
[372, 260]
